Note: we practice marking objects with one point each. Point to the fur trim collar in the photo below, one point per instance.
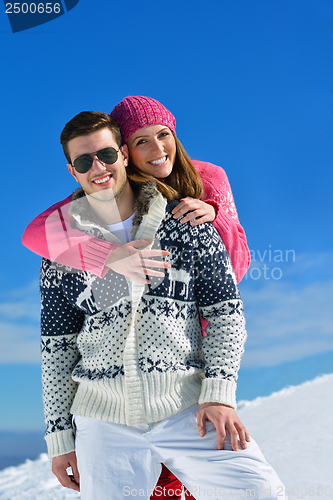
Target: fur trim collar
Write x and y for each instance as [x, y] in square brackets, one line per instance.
[81, 209]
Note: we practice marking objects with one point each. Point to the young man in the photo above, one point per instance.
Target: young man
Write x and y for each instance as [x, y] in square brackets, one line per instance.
[127, 359]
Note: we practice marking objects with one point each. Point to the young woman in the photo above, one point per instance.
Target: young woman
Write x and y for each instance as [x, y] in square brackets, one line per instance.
[148, 129]
[212, 201]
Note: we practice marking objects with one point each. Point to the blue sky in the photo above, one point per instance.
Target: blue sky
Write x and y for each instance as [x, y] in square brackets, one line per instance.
[250, 84]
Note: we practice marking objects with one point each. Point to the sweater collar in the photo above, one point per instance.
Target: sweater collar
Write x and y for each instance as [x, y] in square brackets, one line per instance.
[149, 210]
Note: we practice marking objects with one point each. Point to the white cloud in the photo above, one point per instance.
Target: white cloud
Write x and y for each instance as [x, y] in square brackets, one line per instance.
[28, 309]
[19, 325]
[19, 343]
[290, 318]
[21, 303]
[30, 289]
[275, 265]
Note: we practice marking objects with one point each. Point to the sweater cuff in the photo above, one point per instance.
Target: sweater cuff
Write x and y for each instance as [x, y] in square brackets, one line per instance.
[60, 443]
[214, 205]
[223, 221]
[214, 390]
[95, 255]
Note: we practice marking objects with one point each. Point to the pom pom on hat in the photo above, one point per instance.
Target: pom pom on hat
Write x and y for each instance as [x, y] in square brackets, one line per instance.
[135, 112]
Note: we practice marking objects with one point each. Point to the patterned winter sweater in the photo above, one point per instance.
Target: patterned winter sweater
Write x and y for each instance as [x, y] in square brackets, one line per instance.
[116, 350]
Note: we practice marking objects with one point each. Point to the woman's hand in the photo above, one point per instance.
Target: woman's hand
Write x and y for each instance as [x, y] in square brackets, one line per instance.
[134, 261]
[225, 420]
[196, 208]
[59, 468]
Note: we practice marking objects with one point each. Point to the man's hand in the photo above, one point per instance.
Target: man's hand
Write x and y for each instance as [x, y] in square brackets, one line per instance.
[59, 466]
[197, 208]
[133, 260]
[225, 420]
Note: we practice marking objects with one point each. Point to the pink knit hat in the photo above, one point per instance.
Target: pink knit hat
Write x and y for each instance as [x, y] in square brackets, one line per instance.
[135, 112]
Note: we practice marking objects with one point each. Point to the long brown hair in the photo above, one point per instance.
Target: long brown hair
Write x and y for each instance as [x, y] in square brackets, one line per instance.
[183, 181]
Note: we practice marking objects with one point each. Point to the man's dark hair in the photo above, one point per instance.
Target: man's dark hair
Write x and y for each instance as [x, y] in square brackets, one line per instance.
[85, 123]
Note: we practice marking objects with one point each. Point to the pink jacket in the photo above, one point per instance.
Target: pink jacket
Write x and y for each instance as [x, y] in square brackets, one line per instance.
[50, 234]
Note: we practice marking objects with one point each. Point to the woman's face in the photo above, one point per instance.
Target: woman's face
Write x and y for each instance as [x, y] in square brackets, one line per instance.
[152, 149]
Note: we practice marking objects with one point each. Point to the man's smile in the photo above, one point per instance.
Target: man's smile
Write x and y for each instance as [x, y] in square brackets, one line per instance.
[103, 180]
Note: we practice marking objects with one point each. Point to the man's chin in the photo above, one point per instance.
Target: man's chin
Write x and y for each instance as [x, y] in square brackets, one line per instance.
[103, 195]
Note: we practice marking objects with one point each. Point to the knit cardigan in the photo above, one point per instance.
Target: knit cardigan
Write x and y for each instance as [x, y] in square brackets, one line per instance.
[117, 350]
[51, 235]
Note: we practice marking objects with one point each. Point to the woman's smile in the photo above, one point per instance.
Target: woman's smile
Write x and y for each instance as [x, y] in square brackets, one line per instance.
[152, 149]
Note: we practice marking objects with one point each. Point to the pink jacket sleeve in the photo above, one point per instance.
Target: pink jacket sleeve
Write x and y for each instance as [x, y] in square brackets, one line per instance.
[51, 235]
[218, 193]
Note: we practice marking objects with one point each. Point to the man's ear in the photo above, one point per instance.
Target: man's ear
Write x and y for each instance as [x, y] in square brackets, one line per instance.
[125, 154]
[71, 170]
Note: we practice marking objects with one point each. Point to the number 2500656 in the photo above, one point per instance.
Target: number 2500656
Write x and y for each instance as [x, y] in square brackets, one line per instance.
[32, 8]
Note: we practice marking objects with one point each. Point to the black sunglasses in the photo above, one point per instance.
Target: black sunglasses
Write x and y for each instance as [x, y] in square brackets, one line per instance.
[107, 155]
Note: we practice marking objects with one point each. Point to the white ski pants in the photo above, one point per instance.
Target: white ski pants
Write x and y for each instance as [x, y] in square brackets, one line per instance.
[118, 462]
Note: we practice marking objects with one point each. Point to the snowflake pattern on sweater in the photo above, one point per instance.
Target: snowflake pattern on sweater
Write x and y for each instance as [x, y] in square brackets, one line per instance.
[104, 357]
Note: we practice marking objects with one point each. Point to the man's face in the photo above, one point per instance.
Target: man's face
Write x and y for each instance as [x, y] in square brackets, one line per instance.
[101, 176]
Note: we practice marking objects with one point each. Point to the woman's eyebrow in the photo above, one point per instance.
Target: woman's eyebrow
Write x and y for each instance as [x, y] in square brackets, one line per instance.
[140, 136]
[148, 135]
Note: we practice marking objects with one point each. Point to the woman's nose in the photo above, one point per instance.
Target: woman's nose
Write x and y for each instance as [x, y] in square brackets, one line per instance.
[157, 145]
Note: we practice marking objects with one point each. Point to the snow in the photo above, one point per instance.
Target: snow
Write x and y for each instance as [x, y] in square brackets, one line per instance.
[33, 481]
[293, 428]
